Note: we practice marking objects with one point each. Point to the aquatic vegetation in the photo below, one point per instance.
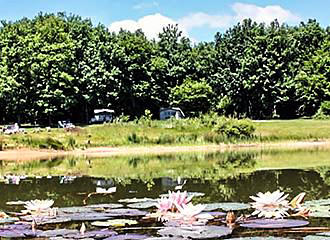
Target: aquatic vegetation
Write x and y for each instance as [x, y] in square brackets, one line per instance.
[40, 207]
[270, 205]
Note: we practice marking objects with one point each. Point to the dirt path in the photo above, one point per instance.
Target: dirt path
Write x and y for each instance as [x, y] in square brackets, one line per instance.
[30, 154]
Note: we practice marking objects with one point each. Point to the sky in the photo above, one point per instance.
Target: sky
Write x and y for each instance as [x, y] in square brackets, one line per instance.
[199, 20]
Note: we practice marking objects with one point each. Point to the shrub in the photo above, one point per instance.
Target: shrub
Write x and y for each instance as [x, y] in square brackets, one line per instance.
[165, 139]
[72, 142]
[234, 128]
[324, 111]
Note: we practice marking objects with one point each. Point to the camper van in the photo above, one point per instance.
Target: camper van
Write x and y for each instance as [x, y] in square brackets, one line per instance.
[102, 116]
[171, 112]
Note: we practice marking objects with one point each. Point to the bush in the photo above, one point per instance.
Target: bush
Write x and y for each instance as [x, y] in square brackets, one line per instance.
[234, 128]
[324, 111]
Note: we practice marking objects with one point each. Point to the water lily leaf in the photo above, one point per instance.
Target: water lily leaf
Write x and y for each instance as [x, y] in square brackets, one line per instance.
[196, 232]
[8, 220]
[147, 204]
[215, 214]
[260, 238]
[58, 232]
[274, 223]
[165, 238]
[136, 200]
[127, 236]
[90, 216]
[226, 206]
[75, 210]
[105, 205]
[319, 202]
[42, 220]
[125, 212]
[189, 194]
[115, 223]
[320, 211]
[16, 203]
[90, 234]
[316, 237]
[11, 234]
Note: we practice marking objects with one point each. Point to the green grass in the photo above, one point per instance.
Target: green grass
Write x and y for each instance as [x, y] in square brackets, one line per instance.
[172, 132]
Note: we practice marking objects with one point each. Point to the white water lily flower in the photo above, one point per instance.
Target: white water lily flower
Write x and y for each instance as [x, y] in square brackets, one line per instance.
[39, 206]
[270, 205]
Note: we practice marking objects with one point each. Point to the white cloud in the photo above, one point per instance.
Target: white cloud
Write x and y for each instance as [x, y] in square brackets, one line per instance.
[202, 19]
[146, 5]
[151, 25]
[241, 11]
[263, 14]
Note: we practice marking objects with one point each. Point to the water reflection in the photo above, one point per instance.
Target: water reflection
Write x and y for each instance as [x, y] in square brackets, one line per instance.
[237, 188]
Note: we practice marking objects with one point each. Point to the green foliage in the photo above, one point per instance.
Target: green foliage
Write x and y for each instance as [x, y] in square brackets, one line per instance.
[58, 66]
[234, 128]
[324, 111]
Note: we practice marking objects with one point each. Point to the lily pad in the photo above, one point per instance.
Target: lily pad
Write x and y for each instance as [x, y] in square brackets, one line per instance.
[189, 194]
[274, 223]
[90, 216]
[8, 220]
[226, 206]
[91, 234]
[136, 200]
[260, 238]
[128, 236]
[320, 211]
[316, 237]
[58, 232]
[320, 202]
[105, 205]
[215, 214]
[115, 223]
[196, 232]
[142, 205]
[125, 212]
[75, 210]
[42, 220]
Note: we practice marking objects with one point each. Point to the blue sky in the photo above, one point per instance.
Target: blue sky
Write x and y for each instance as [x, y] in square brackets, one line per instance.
[198, 19]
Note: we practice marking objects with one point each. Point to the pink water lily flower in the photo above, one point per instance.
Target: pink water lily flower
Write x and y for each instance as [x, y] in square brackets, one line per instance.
[164, 204]
[179, 198]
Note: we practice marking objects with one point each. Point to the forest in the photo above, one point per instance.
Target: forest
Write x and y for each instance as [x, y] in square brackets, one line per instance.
[61, 66]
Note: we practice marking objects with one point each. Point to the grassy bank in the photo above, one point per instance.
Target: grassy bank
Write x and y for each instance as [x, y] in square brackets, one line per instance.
[173, 132]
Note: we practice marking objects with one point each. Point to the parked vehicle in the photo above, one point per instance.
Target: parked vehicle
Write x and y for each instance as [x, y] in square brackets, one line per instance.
[65, 124]
[171, 112]
[102, 116]
[12, 129]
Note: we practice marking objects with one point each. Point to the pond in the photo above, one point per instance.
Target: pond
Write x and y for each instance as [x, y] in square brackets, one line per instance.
[220, 181]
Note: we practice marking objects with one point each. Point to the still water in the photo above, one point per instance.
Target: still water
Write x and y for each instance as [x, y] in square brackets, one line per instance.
[230, 176]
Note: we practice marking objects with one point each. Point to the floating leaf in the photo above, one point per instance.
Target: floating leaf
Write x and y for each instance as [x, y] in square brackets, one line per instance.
[136, 200]
[147, 204]
[321, 211]
[189, 194]
[226, 206]
[58, 232]
[274, 223]
[115, 223]
[320, 202]
[75, 210]
[128, 236]
[318, 236]
[105, 205]
[196, 232]
[125, 212]
[260, 238]
[8, 220]
[16, 203]
[90, 216]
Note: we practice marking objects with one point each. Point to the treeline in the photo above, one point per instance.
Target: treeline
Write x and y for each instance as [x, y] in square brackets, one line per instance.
[59, 66]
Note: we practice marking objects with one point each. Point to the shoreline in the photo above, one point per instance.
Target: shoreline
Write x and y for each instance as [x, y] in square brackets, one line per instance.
[37, 154]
